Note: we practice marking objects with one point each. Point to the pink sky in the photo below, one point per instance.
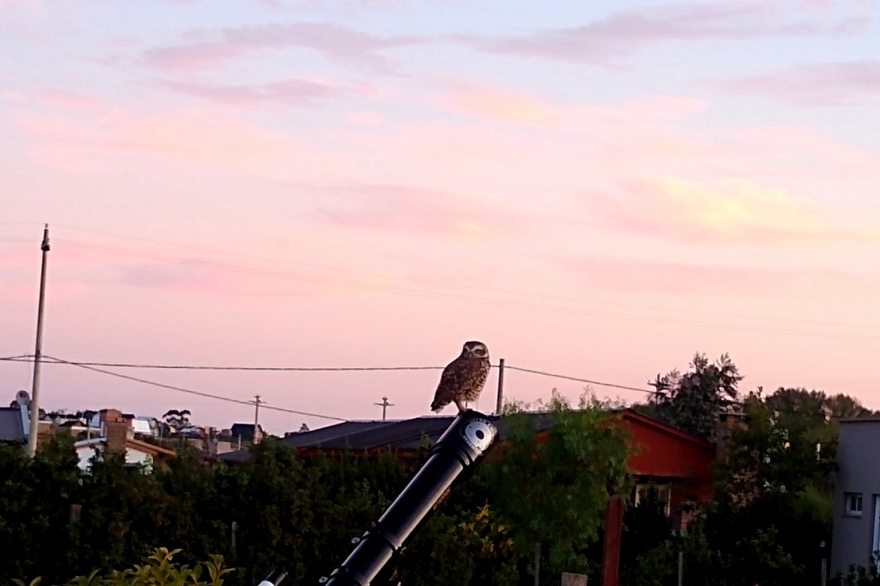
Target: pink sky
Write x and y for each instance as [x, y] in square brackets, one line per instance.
[598, 191]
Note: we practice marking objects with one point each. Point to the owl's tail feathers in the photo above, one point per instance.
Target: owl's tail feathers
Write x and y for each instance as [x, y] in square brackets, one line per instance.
[437, 407]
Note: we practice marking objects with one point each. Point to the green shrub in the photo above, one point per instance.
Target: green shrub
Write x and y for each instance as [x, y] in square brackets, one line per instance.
[158, 569]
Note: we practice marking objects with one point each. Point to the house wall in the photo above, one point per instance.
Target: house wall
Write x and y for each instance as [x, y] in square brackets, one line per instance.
[132, 456]
[858, 459]
[138, 457]
[85, 456]
[664, 456]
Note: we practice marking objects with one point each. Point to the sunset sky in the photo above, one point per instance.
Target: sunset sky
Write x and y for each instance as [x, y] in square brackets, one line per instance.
[595, 189]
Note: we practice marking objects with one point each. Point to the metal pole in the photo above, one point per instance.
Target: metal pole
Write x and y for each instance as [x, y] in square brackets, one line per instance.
[537, 564]
[384, 405]
[38, 351]
[233, 529]
[680, 567]
[824, 577]
[499, 403]
[256, 438]
[455, 455]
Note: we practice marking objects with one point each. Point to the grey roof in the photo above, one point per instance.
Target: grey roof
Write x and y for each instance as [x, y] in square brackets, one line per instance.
[11, 428]
[331, 432]
[309, 438]
[403, 434]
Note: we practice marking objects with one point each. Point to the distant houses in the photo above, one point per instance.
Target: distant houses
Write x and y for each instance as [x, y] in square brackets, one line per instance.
[144, 440]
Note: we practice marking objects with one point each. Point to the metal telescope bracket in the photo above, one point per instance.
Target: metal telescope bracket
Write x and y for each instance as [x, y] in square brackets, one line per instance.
[453, 458]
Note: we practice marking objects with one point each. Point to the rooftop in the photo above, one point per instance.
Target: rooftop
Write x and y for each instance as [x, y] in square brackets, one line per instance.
[11, 425]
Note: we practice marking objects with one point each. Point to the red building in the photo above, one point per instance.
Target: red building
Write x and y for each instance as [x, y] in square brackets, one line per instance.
[678, 464]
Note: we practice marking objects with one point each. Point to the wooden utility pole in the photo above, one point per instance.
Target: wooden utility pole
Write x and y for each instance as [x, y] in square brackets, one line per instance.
[384, 405]
[256, 439]
[499, 402]
[34, 430]
[611, 546]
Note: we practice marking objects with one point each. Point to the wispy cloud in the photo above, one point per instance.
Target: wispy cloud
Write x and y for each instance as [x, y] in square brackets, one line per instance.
[603, 41]
[333, 41]
[298, 92]
[64, 99]
[722, 211]
[201, 136]
[516, 107]
[61, 290]
[691, 279]
[414, 209]
[826, 84]
[206, 277]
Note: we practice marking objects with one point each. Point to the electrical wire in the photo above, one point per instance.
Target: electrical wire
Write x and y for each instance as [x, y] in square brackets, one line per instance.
[53, 360]
[29, 358]
[495, 290]
[580, 380]
[455, 296]
[91, 366]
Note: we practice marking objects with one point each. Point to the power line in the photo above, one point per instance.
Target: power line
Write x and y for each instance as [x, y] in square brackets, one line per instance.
[29, 358]
[411, 291]
[53, 360]
[580, 380]
[489, 301]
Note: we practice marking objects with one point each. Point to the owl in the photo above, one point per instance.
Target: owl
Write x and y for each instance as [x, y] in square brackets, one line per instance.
[463, 378]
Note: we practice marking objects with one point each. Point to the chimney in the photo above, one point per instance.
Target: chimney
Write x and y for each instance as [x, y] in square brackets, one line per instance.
[110, 415]
[115, 434]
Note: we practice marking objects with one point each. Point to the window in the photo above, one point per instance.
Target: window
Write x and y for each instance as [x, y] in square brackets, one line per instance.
[876, 549]
[662, 493]
[853, 502]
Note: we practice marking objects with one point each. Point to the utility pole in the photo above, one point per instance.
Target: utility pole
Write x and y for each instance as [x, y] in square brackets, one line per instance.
[681, 568]
[499, 404]
[33, 432]
[256, 438]
[384, 405]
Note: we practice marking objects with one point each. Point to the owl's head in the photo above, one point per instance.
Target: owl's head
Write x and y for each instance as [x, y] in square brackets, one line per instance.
[475, 349]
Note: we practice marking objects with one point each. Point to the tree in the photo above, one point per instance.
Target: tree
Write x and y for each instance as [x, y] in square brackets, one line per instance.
[177, 419]
[691, 401]
[841, 406]
[552, 490]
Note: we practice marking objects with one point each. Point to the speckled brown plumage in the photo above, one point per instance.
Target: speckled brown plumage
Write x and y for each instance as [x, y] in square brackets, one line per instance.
[463, 378]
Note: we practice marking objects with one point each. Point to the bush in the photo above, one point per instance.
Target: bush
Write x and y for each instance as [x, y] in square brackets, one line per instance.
[158, 569]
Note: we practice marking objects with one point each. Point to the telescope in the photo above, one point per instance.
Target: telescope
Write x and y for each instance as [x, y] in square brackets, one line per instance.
[452, 459]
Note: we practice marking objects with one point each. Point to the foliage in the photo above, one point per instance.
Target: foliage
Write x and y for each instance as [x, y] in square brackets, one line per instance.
[692, 400]
[176, 419]
[478, 549]
[158, 569]
[857, 576]
[772, 504]
[773, 500]
[552, 488]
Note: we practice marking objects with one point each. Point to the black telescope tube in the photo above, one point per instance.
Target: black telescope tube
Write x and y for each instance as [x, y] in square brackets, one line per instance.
[457, 452]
